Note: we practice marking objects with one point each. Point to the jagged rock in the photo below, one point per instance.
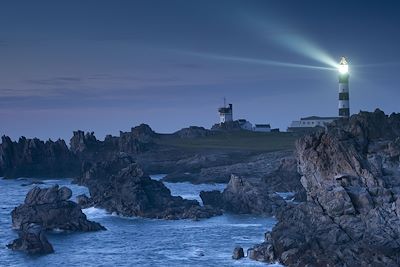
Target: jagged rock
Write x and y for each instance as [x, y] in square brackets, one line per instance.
[121, 186]
[238, 253]
[285, 178]
[351, 176]
[52, 209]
[213, 198]
[139, 140]
[244, 197]
[81, 142]
[88, 149]
[84, 201]
[32, 240]
[35, 158]
[193, 132]
[263, 252]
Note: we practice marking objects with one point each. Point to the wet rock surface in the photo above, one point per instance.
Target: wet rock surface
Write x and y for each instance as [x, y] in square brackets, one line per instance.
[47, 209]
[121, 186]
[351, 217]
[52, 209]
[238, 253]
[32, 240]
[84, 201]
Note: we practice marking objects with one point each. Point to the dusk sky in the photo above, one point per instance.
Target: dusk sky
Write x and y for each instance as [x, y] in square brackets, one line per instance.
[106, 66]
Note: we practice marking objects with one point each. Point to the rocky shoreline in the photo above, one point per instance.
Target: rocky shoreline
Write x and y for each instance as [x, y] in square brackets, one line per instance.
[121, 186]
[46, 209]
[345, 181]
[351, 217]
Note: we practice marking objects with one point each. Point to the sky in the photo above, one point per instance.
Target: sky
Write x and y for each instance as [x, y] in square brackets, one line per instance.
[106, 66]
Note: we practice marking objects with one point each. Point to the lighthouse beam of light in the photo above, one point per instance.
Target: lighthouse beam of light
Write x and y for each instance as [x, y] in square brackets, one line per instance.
[305, 48]
[266, 62]
[274, 31]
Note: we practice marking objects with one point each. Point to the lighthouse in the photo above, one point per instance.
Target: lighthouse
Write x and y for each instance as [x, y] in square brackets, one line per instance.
[225, 113]
[344, 104]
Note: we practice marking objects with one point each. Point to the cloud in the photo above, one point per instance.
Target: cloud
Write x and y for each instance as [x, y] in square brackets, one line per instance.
[55, 81]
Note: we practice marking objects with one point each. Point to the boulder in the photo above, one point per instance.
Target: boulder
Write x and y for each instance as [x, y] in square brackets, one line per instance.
[52, 209]
[238, 253]
[32, 240]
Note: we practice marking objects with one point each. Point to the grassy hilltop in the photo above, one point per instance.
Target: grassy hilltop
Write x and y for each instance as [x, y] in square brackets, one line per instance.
[235, 140]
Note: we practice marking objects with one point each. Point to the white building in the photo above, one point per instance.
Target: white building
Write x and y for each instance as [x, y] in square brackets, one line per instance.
[262, 128]
[225, 113]
[245, 124]
[310, 122]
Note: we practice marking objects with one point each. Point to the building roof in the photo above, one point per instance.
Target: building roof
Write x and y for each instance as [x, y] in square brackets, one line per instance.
[225, 110]
[313, 118]
[262, 126]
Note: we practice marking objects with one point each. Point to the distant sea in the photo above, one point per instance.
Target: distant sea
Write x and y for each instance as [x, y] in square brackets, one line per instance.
[136, 241]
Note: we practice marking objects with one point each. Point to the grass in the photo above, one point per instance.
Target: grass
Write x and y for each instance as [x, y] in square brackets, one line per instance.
[240, 140]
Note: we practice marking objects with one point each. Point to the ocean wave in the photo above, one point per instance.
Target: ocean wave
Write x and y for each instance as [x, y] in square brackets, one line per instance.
[51, 181]
[93, 212]
[244, 225]
[157, 176]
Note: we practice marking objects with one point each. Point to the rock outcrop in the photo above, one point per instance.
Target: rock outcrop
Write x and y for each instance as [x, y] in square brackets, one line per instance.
[218, 167]
[35, 158]
[351, 175]
[84, 201]
[193, 132]
[47, 209]
[52, 209]
[244, 197]
[238, 253]
[285, 177]
[88, 149]
[120, 186]
[32, 240]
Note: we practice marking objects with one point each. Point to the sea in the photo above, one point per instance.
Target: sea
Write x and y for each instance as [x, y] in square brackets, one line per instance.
[136, 241]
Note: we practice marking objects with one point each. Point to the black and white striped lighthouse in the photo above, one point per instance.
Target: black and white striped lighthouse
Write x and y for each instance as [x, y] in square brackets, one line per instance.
[344, 101]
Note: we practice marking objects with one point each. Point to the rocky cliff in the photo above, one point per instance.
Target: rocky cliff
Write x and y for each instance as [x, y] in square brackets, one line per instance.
[351, 175]
[36, 158]
[88, 148]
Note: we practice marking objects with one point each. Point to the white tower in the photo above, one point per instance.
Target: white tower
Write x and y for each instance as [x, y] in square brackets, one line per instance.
[344, 101]
[225, 113]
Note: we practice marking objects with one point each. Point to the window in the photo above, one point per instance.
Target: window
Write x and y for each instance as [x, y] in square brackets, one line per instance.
[343, 96]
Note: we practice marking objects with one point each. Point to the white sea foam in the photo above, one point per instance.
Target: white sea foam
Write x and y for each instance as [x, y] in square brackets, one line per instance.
[52, 181]
[288, 196]
[244, 225]
[157, 176]
[187, 196]
[93, 212]
[57, 230]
